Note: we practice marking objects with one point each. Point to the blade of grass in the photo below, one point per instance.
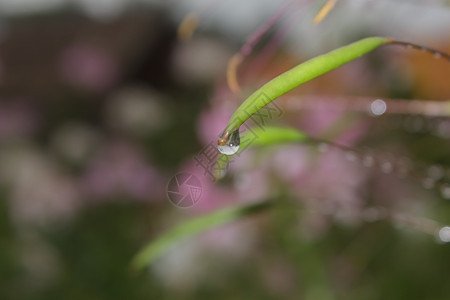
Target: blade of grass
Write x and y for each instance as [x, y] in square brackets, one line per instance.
[297, 75]
[192, 227]
[307, 71]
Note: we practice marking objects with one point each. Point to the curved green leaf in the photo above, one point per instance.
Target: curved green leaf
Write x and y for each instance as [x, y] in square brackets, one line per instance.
[298, 75]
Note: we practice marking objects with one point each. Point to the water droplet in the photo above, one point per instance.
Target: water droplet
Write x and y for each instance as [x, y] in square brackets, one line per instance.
[445, 190]
[378, 107]
[437, 55]
[229, 143]
[444, 234]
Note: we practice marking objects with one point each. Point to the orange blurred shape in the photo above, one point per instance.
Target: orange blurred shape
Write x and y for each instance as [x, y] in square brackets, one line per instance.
[187, 27]
[233, 65]
[324, 11]
[431, 75]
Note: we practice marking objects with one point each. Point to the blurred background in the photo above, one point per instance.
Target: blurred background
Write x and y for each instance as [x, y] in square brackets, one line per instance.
[103, 102]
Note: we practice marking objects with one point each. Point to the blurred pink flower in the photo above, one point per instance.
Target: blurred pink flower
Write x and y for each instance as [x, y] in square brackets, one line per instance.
[89, 67]
[353, 134]
[213, 194]
[251, 176]
[316, 121]
[41, 193]
[323, 116]
[332, 183]
[119, 169]
[291, 162]
[17, 119]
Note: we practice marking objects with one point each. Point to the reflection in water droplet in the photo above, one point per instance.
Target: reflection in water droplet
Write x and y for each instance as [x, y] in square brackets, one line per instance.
[229, 144]
[378, 107]
[445, 190]
[444, 234]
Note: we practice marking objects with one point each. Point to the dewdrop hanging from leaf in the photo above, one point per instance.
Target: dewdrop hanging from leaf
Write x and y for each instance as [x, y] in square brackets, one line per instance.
[270, 135]
[228, 143]
[289, 80]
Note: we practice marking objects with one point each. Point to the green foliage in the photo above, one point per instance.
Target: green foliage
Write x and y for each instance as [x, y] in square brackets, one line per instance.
[300, 74]
[190, 228]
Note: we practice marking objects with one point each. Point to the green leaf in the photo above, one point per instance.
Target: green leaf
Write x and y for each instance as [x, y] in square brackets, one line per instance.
[298, 75]
[190, 228]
